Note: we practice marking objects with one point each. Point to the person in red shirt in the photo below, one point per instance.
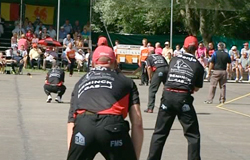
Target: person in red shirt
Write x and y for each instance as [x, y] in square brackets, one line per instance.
[70, 55]
[142, 63]
[29, 36]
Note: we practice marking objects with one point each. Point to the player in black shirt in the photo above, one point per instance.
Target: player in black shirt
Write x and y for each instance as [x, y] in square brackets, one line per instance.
[54, 84]
[220, 62]
[99, 104]
[185, 76]
[157, 72]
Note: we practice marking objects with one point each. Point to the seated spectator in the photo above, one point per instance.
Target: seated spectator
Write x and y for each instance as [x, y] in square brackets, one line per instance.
[64, 60]
[18, 29]
[29, 36]
[168, 57]
[14, 40]
[234, 68]
[85, 34]
[14, 52]
[24, 54]
[50, 56]
[39, 33]
[35, 39]
[30, 27]
[234, 53]
[87, 26]
[177, 50]
[244, 66]
[75, 36]
[37, 21]
[2, 63]
[77, 27]
[2, 21]
[35, 56]
[67, 27]
[202, 50]
[210, 50]
[39, 28]
[67, 40]
[9, 53]
[204, 62]
[45, 33]
[116, 46]
[26, 23]
[17, 61]
[62, 34]
[78, 42]
[23, 41]
[52, 32]
[245, 49]
[80, 59]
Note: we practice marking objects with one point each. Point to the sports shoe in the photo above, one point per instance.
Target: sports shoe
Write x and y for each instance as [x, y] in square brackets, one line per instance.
[208, 102]
[58, 99]
[236, 80]
[241, 78]
[49, 99]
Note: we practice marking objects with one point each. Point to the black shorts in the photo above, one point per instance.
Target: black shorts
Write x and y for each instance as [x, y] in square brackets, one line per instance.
[107, 134]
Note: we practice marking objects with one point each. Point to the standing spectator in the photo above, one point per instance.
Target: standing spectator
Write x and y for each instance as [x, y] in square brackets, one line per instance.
[67, 27]
[177, 50]
[168, 57]
[35, 56]
[50, 56]
[158, 46]
[77, 27]
[150, 47]
[17, 61]
[52, 32]
[210, 50]
[80, 59]
[2, 21]
[67, 40]
[26, 23]
[244, 64]
[29, 36]
[14, 40]
[144, 51]
[167, 50]
[70, 55]
[24, 54]
[37, 21]
[245, 49]
[35, 39]
[204, 62]
[23, 41]
[30, 27]
[62, 34]
[219, 63]
[202, 50]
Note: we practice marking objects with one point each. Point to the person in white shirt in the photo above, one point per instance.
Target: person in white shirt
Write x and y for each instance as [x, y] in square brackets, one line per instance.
[67, 40]
[167, 50]
[52, 32]
[50, 56]
[177, 50]
[245, 49]
[80, 59]
[24, 54]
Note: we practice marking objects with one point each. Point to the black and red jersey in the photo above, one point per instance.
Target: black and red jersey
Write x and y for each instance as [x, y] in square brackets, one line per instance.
[103, 91]
[156, 61]
[55, 77]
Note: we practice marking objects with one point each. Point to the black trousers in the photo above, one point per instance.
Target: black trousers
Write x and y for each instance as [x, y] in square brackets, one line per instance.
[60, 90]
[144, 73]
[159, 76]
[107, 134]
[20, 65]
[33, 61]
[71, 65]
[176, 104]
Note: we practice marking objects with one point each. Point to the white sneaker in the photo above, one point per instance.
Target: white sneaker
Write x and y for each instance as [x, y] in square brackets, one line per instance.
[49, 99]
[236, 80]
[58, 99]
[241, 78]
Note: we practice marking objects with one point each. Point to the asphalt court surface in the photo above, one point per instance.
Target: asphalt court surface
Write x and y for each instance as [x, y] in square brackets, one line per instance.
[31, 129]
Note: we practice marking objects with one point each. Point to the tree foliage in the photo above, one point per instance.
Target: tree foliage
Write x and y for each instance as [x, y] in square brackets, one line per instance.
[229, 18]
